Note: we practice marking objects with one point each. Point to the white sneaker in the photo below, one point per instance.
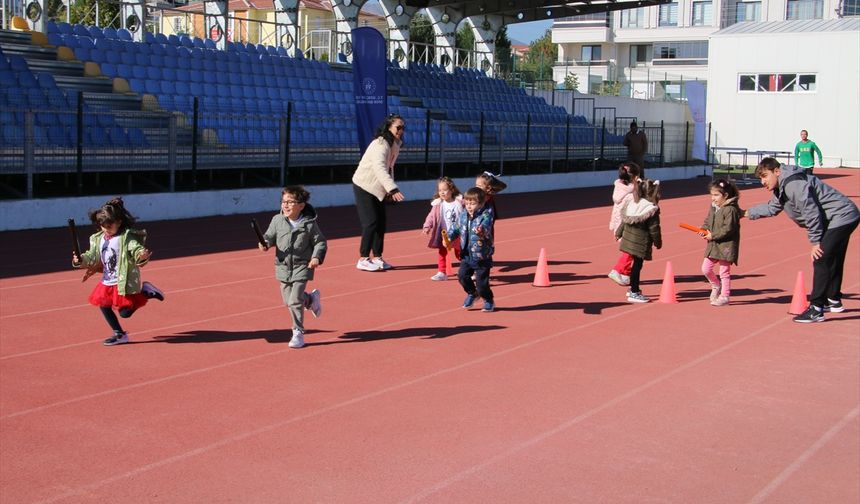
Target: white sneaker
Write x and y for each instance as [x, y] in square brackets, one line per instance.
[316, 303]
[367, 265]
[380, 262]
[615, 276]
[298, 339]
[715, 293]
[439, 277]
[636, 297]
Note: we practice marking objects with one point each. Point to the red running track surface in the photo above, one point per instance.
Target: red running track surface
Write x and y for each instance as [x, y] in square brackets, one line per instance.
[565, 394]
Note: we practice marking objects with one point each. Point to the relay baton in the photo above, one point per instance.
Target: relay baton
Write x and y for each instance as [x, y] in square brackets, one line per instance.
[445, 240]
[693, 228]
[76, 246]
[259, 233]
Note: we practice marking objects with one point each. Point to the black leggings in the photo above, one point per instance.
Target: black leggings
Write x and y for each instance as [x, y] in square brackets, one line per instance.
[371, 213]
[634, 274]
[110, 316]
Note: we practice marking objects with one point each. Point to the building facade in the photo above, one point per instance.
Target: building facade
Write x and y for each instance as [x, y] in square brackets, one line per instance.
[649, 52]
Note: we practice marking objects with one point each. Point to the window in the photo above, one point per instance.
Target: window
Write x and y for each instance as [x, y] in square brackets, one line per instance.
[590, 53]
[669, 14]
[850, 7]
[703, 13]
[634, 18]
[684, 50]
[776, 83]
[747, 11]
[639, 54]
[177, 24]
[804, 9]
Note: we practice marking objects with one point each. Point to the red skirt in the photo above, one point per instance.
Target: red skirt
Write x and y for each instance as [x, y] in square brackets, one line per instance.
[107, 296]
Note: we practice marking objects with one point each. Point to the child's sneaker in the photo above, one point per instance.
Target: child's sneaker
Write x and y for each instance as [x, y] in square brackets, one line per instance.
[367, 265]
[617, 278]
[834, 306]
[152, 291]
[298, 339]
[488, 306]
[315, 303]
[636, 297]
[625, 280]
[439, 277]
[118, 338]
[381, 264]
[720, 301]
[812, 314]
[469, 301]
[715, 292]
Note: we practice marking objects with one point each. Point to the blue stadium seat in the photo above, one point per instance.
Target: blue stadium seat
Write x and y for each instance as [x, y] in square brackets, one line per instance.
[124, 34]
[137, 138]
[173, 40]
[182, 88]
[109, 32]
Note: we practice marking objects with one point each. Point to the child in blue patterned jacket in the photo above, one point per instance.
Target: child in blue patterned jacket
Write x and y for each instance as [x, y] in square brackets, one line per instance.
[475, 230]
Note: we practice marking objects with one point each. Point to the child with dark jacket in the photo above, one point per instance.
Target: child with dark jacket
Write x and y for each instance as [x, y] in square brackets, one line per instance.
[475, 230]
[723, 233]
[640, 231]
[300, 248]
[829, 218]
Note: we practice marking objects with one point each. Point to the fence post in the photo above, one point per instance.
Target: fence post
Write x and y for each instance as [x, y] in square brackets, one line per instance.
[686, 140]
[285, 143]
[194, 145]
[171, 152]
[662, 144]
[567, 145]
[427, 141]
[481, 143]
[79, 144]
[528, 137]
[708, 146]
[602, 139]
[29, 154]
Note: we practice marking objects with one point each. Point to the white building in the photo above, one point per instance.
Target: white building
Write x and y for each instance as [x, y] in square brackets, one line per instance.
[767, 81]
[650, 51]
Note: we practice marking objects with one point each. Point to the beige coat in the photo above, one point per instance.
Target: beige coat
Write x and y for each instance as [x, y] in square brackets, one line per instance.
[375, 172]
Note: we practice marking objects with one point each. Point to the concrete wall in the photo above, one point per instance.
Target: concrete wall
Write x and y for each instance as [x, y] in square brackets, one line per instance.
[46, 213]
[772, 121]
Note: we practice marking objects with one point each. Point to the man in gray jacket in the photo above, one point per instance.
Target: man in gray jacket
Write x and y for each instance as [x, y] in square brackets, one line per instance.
[829, 218]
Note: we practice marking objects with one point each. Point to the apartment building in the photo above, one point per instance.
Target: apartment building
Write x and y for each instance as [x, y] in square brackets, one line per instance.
[651, 51]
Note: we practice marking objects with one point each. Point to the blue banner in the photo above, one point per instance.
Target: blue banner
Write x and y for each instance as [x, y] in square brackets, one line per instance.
[369, 54]
[696, 102]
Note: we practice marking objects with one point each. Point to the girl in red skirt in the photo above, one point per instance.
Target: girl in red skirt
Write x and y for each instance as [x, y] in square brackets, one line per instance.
[117, 252]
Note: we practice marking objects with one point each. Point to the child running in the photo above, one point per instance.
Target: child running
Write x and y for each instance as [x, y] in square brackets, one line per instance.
[723, 232]
[445, 210]
[117, 251]
[639, 231]
[625, 184]
[475, 230]
[300, 248]
[829, 218]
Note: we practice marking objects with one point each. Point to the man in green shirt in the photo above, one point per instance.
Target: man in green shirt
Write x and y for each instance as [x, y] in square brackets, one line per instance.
[804, 153]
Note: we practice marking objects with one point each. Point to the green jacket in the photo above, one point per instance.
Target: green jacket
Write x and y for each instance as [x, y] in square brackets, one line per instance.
[131, 242]
[640, 228]
[724, 223]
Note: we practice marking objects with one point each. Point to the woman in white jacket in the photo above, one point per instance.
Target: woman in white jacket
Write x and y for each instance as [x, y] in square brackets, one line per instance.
[372, 184]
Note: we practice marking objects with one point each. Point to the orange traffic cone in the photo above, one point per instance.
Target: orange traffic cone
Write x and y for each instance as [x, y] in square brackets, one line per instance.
[798, 300]
[667, 293]
[542, 273]
[449, 266]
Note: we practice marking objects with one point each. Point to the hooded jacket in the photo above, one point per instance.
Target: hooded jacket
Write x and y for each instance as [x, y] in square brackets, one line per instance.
[640, 228]
[476, 234]
[724, 223]
[295, 247]
[131, 244]
[621, 194]
[435, 222]
[809, 202]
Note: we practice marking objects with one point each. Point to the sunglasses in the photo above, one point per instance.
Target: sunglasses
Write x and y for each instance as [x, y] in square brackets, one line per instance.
[400, 128]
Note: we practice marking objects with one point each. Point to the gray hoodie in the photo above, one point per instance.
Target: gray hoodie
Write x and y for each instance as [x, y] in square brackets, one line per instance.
[295, 247]
[809, 202]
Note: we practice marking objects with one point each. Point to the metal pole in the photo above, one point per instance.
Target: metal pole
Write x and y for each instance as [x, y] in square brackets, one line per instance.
[686, 140]
[567, 144]
[79, 153]
[171, 152]
[528, 137]
[662, 143]
[194, 144]
[426, 140]
[708, 146]
[602, 138]
[285, 169]
[481, 143]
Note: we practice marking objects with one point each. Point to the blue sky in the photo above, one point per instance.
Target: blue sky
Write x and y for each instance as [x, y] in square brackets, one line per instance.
[526, 33]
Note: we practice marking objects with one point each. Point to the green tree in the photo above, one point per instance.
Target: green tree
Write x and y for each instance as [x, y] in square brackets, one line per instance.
[84, 12]
[421, 32]
[609, 88]
[504, 58]
[540, 59]
[571, 82]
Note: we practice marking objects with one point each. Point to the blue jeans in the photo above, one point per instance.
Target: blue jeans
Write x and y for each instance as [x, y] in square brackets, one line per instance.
[481, 285]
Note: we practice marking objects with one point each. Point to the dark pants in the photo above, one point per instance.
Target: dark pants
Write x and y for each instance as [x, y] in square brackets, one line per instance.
[827, 269]
[371, 214]
[111, 319]
[481, 285]
[635, 271]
